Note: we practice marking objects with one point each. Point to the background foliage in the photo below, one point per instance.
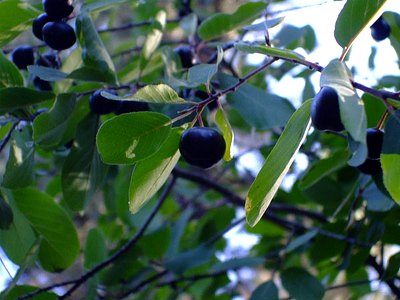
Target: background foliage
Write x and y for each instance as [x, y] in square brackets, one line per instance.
[103, 207]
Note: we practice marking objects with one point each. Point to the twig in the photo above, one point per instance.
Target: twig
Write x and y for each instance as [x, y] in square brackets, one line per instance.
[371, 261]
[134, 25]
[8, 135]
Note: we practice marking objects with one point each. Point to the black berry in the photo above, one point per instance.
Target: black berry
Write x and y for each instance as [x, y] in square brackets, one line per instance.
[372, 164]
[58, 9]
[202, 147]
[49, 60]
[38, 23]
[23, 56]
[42, 85]
[186, 56]
[380, 30]
[130, 106]
[100, 105]
[325, 112]
[58, 35]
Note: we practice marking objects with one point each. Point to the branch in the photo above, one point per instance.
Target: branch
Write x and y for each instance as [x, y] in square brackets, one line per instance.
[121, 251]
[134, 25]
[371, 261]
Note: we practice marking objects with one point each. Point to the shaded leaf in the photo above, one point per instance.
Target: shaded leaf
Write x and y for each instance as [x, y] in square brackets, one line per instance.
[21, 290]
[301, 240]
[45, 73]
[189, 259]
[301, 285]
[266, 290]
[277, 164]
[19, 97]
[95, 248]
[270, 51]
[9, 73]
[264, 25]
[236, 263]
[6, 215]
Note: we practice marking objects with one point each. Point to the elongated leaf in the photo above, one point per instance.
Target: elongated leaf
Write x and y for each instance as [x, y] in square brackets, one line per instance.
[301, 240]
[222, 23]
[189, 259]
[49, 127]
[302, 285]
[390, 157]
[60, 245]
[189, 24]
[323, 168]
[15, 18]
[258, 108]
[266, 290]
[95, 249]
[99, 5]
[9, 73]
[177, 232]
[129, 138]
[270, 51]
[277, 164]
[264, 25]
[45, 73]
[160, 93]
[354, 17]
[19, 169]
[151, 173]
[227, 132]
[94, 53]
[21, 290]
[352, 112]
[18, 239]
[18, 97]
[83, 170]
[236, 263]
[6, 215]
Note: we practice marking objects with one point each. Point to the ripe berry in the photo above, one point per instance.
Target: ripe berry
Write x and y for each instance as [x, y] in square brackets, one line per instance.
[325, 112]
[372, 164]
[38, 23]
[100, 105]
[23, 56]
[186, 56]
[380, 30]
[42, 85]
[130, 106]
[202, 147]
[58, 35]
[58, 9]
[49, 60]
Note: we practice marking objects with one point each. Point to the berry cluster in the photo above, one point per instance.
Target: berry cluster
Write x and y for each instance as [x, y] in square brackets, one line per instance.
[51, 26]
[325, 116]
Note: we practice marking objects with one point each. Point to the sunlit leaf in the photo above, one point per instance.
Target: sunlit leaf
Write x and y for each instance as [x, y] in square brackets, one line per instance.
[227, 132]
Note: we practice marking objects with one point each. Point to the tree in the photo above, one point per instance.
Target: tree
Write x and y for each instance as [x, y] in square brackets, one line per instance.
[95, 193]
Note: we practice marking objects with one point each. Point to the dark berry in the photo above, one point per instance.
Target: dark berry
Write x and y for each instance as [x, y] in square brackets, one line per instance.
[374, 142]
[202, 147]
[186, 56]
[49, 60]
[42, 85]
[100, 105]
[38, 23]
[23, 56]
[371, 166]
[58, 9]
[380, 30]
[131, 106]
[58, 35]
[325, 112]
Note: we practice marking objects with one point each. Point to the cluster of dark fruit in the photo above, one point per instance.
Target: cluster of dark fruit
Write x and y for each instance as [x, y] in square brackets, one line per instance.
[100, 105]
[202, 146]
[380, 30]
[51, 26]
[186, 56]
[24, 56]
[325, 116]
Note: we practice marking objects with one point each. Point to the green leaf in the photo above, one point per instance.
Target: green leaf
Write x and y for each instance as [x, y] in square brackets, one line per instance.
[21, 290]
[203, 73]
[45, 73]
[95, 249]
[150, 174]
[301, 285]
[393, 266]
[260, 109]
[129, 138]
[49, 127]
[323, 168]
[352, 112]
[189, 24]
[20, 165]
[264, 25]
[377, 200]
[100, 5]
[94, 53]
[160, 93]
[189, 259]
[9, 73]
[59, 247]
[83, 171]
[277, 164]
[12, 24]
[177, 231]
[390, 156]
[18, 239]
[221, 23]
[270, 51]
[266, 290]
[19, 97]
[6, 215]
[354, 17]
[236, 263]
[301, 240]
[227, 132]
[293, 37]
[153, 38]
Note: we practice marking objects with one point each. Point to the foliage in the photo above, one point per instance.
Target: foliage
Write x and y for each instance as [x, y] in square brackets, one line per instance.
[110, 196]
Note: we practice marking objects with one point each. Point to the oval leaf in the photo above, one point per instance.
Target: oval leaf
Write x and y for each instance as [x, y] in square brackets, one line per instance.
[277, 164]
[131, 137]
[270, 51]
[266, 290]
[301, 285]
[19, 97]
[9, 73]
[227, 133]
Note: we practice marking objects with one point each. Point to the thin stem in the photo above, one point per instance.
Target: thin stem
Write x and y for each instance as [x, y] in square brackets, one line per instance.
[382, 120]
[134, 25]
